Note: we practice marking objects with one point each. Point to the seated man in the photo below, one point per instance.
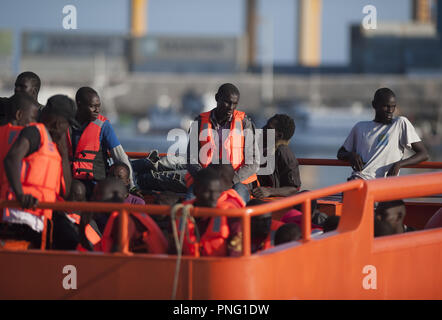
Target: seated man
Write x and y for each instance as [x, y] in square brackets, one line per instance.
[238, 192]
[214, 232]
[144, 234]
[285, 179]
[287, 233]
[393, 212]
[41, 149]
[224, 135]
[92, 141]
[375, 149]
[121, 171]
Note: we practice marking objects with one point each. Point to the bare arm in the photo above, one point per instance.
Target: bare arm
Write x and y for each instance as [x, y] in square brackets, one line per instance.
[67, 174]
[352, 157]
[12, 164]
[420, 155]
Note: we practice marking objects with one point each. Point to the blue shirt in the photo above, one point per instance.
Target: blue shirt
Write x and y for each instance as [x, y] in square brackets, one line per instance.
[108, 138]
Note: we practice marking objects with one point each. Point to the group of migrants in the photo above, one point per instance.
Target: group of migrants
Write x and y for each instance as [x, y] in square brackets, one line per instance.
[68, 151]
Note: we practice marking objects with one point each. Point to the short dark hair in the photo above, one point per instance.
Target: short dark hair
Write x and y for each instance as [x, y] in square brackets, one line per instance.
[83, 94]
[286, 233]
[285, 125]
[382, 95]
[227, 89]
[331, 223]
[18, 101]
[205, 176]
[35, 80]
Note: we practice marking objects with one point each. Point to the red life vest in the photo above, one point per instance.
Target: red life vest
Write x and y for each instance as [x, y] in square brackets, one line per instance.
[42, 173]
[88, 161]
[233, 145]
[8, 135]
[92, 235]
[230, 199]
[270, 240]
[153, 238]
[214, 240]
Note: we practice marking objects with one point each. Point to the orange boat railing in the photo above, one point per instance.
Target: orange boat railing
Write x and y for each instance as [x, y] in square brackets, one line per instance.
[327, 266]
[381, 190]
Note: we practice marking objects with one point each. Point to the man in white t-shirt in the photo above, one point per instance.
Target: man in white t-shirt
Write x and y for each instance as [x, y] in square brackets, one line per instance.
[375, 149]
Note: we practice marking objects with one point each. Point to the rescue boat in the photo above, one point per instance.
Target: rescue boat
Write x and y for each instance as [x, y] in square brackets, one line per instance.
[348, 263]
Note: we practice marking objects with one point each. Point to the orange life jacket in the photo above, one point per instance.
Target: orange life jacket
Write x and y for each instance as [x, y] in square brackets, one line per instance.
[42, 173]
[270, 240]
[230, 199]
[153, 237]
[8, 134]
[214, 240]
[88, 162]
[233, 145]
[92, 235]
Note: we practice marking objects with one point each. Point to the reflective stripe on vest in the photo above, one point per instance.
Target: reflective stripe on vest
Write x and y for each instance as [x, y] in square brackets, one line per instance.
[87, 149]
[233, 144]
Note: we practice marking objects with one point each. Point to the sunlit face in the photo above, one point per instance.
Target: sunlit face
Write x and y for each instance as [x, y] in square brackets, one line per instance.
[385, 110]
[91, 108]
[225, 106]
[208, 195]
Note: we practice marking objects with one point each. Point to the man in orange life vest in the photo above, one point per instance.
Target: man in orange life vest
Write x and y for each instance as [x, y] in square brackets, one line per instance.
[224, 135]
[92, 141]
[37, 167]
[144, 234]
[22, 109]
[215, 232]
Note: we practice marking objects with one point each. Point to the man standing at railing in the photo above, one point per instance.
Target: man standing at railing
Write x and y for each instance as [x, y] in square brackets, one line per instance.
[37, 167]
[375, 149]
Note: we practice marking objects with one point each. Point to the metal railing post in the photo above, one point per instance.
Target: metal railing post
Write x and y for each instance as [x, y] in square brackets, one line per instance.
[306, 220]
[246, 235]
[123, 228]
